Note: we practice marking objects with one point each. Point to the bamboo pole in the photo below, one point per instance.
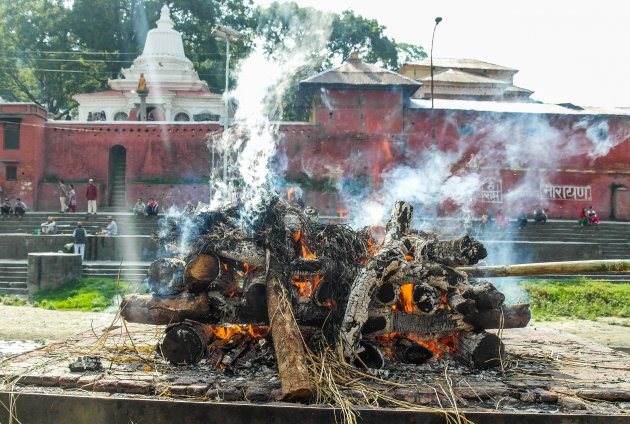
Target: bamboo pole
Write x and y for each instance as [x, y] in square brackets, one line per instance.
[548, 268]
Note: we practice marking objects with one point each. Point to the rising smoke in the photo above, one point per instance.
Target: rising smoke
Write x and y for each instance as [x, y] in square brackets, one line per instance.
[252, 146]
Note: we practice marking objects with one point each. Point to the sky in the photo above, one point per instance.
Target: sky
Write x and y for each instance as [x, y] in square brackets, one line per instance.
[566, 51]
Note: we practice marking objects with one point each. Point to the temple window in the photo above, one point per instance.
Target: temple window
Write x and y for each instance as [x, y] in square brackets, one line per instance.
[121, 116]
[182, 117]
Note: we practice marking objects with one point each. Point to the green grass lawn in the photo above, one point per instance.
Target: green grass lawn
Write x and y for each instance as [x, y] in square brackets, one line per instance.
[85, 294]
[578, 298]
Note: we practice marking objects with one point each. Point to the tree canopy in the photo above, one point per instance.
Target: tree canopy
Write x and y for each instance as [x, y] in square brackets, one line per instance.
[53, 49]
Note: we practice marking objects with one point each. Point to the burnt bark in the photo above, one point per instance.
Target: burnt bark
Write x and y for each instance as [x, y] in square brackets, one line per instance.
[507, 316]
[426, 298]
[288, 344]
[146, 309]
[459, 252]
[201, 271]
[485, 295]
[184, 343]
[166, 277]
[480, 350]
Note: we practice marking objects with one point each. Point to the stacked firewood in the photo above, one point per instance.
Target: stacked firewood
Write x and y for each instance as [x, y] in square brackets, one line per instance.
[281, 277]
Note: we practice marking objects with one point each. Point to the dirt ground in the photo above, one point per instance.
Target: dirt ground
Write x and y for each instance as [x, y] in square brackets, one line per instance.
[27, 324]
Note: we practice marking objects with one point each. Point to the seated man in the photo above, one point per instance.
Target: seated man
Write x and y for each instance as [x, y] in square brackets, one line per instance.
[152, 207]
[6, 208]
[539, 215]
[139, 209]
[111, 229]
[50, 226]
[20, 208]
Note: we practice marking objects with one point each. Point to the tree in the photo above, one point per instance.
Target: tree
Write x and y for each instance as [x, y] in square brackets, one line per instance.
[286, 26]
[35, 64]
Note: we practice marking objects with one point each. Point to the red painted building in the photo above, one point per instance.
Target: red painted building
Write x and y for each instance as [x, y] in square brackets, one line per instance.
[366, 128]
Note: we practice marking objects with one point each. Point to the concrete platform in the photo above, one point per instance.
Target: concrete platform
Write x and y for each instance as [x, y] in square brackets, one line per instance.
[548, 377]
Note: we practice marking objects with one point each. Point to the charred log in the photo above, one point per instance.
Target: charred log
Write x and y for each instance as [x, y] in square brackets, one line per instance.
[485, 295]
[369, 356]
[387, 321]
[166, 277]
[507, 316]
[480, 350]
[462, 251]
[244, 252]
[146, 309]
[410, 352]
[201, 271]
[460, 304]
[184, 343]
[256, 296]
[426, 298]
[387, 294]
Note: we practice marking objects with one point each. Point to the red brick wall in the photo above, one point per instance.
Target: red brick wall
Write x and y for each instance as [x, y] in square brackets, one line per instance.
[156, 154]
[27, 158]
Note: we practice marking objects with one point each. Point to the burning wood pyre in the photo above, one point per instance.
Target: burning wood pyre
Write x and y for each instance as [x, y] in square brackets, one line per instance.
[299, 280]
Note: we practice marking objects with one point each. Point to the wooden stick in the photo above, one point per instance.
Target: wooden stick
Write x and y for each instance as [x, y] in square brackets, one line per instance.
[548, 268]
[288, 344]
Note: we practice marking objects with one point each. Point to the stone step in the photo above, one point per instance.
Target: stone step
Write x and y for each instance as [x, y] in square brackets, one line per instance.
[13, 275]
[13, 284]
[14, 291]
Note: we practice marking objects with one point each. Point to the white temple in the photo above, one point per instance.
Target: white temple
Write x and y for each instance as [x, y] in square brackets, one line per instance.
[175, 91]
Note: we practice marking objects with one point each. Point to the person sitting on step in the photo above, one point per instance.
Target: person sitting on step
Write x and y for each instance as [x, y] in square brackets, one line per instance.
[593, 219]
[49, 227]
[6, 208]
[139, 209]
[152, 207]
[20, 208]
[539, 215]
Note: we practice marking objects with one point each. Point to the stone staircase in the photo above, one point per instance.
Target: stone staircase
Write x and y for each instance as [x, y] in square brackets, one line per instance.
[13, 278]
[13, 274]
[613, 238]
[130, 272]
[118, 192]
[66, 222]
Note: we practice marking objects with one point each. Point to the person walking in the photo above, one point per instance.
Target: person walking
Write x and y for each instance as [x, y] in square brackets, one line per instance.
[72, 199]
[91, 195]
[80, 235]
[63, 196]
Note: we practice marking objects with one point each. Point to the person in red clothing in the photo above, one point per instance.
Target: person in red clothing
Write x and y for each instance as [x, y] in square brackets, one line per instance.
[91, 195]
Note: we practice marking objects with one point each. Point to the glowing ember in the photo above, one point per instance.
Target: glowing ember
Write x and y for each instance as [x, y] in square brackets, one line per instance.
[405, 300]
[306, 252]
[437, 347]
[342, 213]
[245, 269]
[307, 285]
[227, 331]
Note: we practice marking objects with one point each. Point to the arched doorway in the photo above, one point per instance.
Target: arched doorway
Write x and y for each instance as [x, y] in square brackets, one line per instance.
[117, 177]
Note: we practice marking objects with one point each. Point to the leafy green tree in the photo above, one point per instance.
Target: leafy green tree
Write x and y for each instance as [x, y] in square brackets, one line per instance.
[34, 63]
[286, 26]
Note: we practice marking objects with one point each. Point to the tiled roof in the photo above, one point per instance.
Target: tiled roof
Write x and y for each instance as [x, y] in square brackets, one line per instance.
[513, 107]
[356, 73]
[460, 63]
[455, 76]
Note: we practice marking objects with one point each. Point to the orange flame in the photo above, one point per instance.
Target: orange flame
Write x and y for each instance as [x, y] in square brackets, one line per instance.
[342, 213]
[307, 285]
[306, 253]
[438, 347]
[246, 268]
[227, 331]
[405, 299]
